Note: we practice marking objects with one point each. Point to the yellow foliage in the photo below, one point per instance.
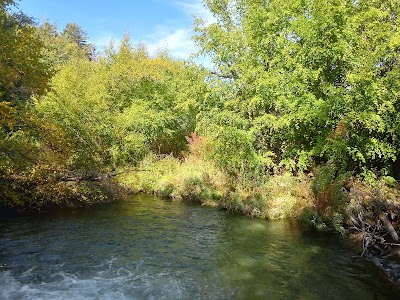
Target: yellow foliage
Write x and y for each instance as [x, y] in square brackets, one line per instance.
[7, 114]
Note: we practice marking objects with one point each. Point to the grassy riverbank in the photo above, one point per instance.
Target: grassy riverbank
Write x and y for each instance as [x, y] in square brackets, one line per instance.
[199, 181]
[365, 211]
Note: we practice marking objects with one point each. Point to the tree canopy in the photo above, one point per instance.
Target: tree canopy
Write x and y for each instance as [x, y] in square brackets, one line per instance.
[21, 70]
[311, 81]
[118, 109]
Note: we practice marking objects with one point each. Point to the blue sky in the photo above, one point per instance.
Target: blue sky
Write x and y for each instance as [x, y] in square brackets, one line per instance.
[158, 23]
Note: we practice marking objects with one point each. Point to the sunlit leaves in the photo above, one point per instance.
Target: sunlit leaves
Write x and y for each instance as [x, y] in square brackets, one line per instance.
[115, 111]
[58, 49]
[21, 70]
[77, 102]
[299, 70]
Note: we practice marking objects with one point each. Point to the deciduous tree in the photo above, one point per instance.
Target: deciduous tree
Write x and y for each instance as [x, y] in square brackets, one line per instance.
[314, 81]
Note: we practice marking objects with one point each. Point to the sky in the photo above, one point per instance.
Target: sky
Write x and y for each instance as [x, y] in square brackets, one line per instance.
[158, 23]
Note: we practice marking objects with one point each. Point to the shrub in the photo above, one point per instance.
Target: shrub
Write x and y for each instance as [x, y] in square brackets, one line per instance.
[328, 190]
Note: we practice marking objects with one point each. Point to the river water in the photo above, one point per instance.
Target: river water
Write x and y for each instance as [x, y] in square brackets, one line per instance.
[148, 248]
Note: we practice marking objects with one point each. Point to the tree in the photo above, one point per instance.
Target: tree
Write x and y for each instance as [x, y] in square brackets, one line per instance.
[60, 48]
[314, 81]
[77, 104]
[73, 33]
[157, 96]
[21, 70]
[115, 111]
[22, 73]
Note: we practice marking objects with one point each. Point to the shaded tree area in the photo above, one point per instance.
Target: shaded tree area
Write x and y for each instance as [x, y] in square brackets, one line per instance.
[22, 72]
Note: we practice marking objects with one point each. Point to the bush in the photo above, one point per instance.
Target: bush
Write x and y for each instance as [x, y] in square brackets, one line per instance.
[328, 190]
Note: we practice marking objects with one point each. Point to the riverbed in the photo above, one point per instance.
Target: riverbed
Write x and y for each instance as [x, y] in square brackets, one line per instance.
[149, 248]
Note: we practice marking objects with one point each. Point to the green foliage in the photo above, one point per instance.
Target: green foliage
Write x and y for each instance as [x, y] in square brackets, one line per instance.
[157, 96]
[21, 74]
[390, 181]
[96, 115]
[21, 70]
[113, 112]
[314, 81]
[328, 190]
[198, 180]
[77, 103]
[194, 180]
[60, 48]
[232, 150]
[75, 35]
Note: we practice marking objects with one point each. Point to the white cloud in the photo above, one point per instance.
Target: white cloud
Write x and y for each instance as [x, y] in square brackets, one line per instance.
[178, 42]
[196, 8]
[172, 36]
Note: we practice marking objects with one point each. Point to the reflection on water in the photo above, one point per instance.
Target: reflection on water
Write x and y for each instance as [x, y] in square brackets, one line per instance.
[147, 248]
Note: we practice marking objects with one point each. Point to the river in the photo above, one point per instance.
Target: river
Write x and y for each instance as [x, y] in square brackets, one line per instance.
[148, 248]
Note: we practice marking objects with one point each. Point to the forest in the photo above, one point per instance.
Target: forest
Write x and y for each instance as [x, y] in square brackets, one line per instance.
[299, 116]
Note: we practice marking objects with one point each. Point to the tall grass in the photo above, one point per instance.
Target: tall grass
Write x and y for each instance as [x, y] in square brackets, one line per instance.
[197, 180]
[323, 198]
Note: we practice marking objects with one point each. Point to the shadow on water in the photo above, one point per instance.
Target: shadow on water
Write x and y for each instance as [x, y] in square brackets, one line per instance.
[272, 260]
[146, 248]
[7, 213]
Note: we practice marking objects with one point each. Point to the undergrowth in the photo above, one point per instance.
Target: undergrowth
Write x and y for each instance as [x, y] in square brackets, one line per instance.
[322, 197]
[199, 181]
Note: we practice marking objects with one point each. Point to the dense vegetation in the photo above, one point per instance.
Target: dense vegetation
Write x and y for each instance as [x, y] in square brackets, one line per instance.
[309, 82]
[300, 115]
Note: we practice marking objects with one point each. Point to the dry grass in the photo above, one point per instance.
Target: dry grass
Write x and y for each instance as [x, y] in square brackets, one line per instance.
[198, 180]
[288, 196]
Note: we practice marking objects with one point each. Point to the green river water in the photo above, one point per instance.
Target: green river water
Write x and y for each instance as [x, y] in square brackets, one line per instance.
[148, 248]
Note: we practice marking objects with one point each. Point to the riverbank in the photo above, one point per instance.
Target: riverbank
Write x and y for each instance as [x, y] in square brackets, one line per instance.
[197, 181]
[21, 193]
[365, 212]
[368, 213]
[322, 197]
